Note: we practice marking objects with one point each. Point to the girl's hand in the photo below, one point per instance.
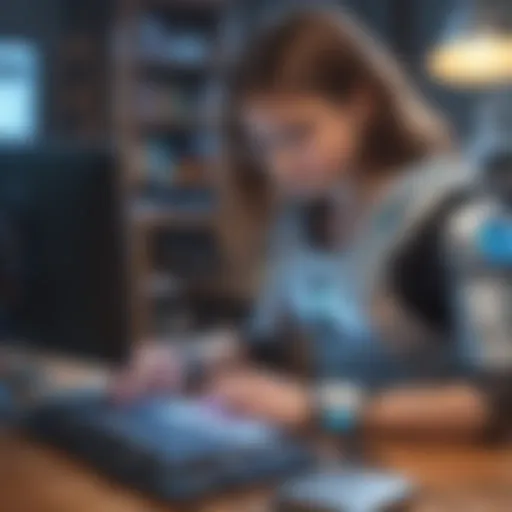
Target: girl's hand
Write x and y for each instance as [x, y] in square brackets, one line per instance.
[155, 368]
[264, 396]
[161, 368]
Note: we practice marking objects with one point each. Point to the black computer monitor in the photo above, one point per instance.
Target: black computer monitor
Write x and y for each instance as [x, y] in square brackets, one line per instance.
[63, 271]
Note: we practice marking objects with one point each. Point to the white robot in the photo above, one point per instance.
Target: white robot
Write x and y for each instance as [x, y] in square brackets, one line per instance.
[479, 247]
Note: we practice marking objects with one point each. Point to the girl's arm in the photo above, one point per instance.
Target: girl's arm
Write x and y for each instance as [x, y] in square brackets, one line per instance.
[458, 405]
[261, 338]
[457, 411]
[166, 366]
[422, 283]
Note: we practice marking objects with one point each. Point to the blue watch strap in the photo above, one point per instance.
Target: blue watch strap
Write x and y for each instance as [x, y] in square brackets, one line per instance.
[339, 406]
[343, 420]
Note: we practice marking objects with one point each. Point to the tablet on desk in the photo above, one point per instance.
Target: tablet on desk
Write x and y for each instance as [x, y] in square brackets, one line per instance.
[351, 490]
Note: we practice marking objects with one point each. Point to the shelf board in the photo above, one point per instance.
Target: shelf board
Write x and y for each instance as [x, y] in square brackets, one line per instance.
[163, 217]
[187, 6]
[164, 66]
[161, 65]
[162, 285]
[179, 124]
[218, 286]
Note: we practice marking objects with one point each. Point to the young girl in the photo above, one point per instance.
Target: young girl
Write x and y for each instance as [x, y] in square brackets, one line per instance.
[336, 156]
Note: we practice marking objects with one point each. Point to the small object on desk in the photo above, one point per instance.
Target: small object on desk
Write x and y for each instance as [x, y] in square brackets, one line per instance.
[346, 491]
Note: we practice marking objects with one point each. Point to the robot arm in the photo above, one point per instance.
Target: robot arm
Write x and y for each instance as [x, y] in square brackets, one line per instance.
[479, 249]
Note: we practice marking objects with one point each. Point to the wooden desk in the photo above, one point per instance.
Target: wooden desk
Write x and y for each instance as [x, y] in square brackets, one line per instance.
[34, 478]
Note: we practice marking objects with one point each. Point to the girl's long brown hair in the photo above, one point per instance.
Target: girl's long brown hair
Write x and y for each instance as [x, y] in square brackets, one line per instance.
[324, 53]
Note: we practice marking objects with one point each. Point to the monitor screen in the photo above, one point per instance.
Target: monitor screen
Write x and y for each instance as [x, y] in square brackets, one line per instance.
[63, 279]
[20, 84]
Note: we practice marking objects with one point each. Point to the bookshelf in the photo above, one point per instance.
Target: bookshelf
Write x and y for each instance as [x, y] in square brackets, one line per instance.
[80, 72]
[168, 86]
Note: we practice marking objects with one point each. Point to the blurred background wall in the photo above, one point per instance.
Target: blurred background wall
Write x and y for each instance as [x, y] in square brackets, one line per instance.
[408, 26]
[147, 75]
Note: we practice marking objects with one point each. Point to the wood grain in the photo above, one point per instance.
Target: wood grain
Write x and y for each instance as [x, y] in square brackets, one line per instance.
[35, 478]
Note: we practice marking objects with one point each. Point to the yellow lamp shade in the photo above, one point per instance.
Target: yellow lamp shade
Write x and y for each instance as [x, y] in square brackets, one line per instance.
[478, 51]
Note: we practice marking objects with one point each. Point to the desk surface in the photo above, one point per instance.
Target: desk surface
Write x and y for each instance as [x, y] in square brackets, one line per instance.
[34, 478]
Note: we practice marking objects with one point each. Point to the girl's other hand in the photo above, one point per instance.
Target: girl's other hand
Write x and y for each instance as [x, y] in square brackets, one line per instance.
[154, 368]
[264, 396]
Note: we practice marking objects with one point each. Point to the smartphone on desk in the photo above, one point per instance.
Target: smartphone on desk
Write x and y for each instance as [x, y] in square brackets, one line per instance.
[350, 490]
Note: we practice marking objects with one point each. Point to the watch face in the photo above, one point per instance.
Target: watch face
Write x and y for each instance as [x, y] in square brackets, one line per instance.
[340, 404]
[340, 395]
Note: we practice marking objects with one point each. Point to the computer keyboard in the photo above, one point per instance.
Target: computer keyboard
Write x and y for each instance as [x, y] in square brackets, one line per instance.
[175, 449]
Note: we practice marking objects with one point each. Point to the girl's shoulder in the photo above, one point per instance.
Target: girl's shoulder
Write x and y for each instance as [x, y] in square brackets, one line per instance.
[419, 190]
[395, 222]
[403, 234]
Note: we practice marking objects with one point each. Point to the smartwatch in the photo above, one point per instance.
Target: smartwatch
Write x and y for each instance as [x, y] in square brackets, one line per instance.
[339, 406]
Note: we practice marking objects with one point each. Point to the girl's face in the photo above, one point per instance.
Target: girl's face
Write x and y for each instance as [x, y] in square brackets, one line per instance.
[307, 144]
